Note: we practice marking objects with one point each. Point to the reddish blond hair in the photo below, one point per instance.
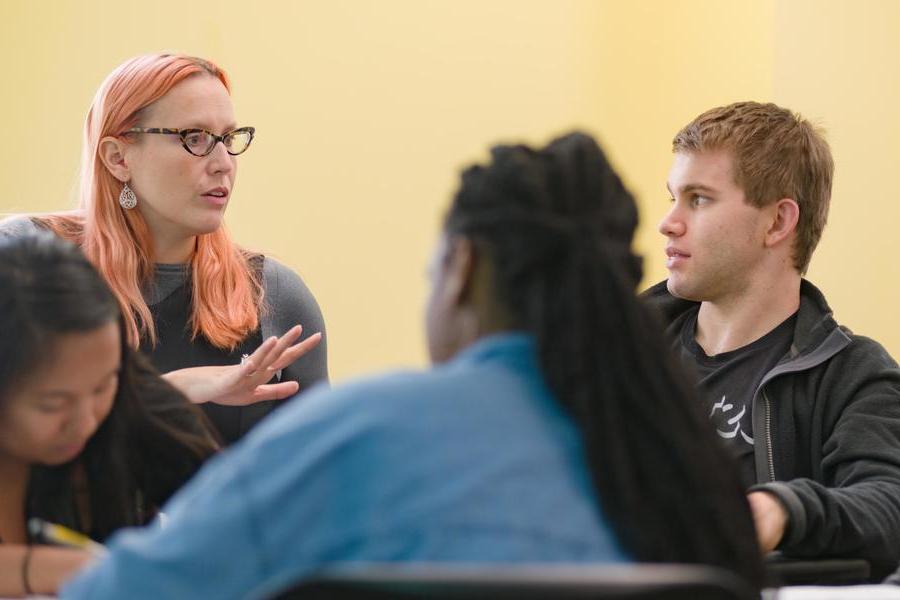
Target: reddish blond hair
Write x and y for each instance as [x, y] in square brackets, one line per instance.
[226, 292]
[777, 154]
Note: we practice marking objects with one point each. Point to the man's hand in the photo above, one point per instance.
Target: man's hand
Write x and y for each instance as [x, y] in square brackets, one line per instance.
[770, 519]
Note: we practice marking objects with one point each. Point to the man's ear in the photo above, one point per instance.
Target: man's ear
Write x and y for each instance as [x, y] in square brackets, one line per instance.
[460, 270]
[112, 152]
[785, 214]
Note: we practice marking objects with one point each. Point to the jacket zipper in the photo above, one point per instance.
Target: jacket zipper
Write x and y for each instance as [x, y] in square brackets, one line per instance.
[769, 453]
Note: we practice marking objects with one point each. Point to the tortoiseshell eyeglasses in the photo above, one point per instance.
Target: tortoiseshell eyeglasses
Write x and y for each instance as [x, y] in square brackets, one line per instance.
[201, 142]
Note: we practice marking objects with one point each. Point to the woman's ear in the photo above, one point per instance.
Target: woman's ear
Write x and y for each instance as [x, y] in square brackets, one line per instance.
[112, 151]
[785, 214]
[460, 269]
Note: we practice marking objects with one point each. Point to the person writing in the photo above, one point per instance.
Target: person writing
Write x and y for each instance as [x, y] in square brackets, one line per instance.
[90, 436]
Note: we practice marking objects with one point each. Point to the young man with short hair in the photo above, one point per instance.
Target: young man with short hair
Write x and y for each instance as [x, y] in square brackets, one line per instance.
[810, 410]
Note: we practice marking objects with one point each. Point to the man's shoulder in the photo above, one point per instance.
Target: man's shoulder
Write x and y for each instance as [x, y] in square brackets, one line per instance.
[817, 329]
[657, 292]
[850, 365]
[864, 352]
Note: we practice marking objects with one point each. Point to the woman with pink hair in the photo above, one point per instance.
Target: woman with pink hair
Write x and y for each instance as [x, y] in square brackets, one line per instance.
[219, 320]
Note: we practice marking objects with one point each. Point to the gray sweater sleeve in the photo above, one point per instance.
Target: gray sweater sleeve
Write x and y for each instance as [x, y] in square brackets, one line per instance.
[289, 302]
[17, 226]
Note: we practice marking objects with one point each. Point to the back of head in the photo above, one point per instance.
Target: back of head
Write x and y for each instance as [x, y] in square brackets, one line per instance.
[566, 190]
[777, 154]
[547, 218]
[556, 225]
[47, 288]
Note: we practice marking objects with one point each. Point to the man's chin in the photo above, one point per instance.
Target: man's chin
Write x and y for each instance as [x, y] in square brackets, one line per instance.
[682, 291]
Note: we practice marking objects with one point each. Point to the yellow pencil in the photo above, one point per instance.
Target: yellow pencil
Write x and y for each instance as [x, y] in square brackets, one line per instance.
[63, 536]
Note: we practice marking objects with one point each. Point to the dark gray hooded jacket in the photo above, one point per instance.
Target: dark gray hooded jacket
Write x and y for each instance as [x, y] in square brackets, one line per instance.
[826, 420]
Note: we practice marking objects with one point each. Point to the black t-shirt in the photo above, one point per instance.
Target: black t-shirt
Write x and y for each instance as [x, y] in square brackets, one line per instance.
[728, 381]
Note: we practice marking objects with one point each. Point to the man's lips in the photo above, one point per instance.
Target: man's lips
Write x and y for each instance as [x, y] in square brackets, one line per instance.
[676, 253]
[676, 257]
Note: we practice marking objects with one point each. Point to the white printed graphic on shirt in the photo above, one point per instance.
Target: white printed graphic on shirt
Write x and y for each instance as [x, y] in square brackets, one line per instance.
[724, 407]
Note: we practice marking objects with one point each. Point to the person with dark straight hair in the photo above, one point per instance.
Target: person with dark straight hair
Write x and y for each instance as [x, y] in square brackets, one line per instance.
[554, 427]
[90, 436]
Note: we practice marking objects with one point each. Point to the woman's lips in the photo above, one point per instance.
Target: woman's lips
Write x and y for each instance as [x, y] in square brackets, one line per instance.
[217, 196]
[70, 451]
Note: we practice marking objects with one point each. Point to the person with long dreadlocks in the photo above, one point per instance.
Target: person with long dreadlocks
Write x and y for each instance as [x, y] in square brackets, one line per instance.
[553, 427]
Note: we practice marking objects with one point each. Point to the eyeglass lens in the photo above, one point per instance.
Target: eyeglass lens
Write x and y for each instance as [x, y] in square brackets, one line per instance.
[202, 142]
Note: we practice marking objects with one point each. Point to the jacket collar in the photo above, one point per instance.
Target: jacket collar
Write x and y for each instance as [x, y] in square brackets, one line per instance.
[817, 335]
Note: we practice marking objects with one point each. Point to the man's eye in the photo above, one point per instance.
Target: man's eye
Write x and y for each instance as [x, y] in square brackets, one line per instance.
[699, 200]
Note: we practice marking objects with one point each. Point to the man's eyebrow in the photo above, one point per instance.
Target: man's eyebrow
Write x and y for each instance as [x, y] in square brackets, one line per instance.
[693, 187]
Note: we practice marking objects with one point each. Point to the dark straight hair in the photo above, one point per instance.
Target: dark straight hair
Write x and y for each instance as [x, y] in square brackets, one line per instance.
[557, 226]
[153, 439]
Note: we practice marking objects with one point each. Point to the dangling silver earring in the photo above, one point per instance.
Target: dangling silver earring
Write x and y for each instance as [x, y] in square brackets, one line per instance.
[127, 199]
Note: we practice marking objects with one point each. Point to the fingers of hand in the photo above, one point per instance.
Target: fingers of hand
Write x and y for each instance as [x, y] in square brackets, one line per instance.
[296, 351]
[275, 347]
[258, 360]
[292, 334]
[283, 343]
[770, 519]
[273, 354]
[275, 391]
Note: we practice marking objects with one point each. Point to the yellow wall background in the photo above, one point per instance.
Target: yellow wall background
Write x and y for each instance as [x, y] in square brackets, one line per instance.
[366, 110]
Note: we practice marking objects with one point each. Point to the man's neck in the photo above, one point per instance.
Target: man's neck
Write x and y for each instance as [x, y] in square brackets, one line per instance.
[733, 322]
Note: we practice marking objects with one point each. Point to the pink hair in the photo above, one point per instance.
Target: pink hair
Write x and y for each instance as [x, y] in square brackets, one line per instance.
[227, 293]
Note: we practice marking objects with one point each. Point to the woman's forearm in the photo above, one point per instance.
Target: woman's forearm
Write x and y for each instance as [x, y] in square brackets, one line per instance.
[46, 569]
